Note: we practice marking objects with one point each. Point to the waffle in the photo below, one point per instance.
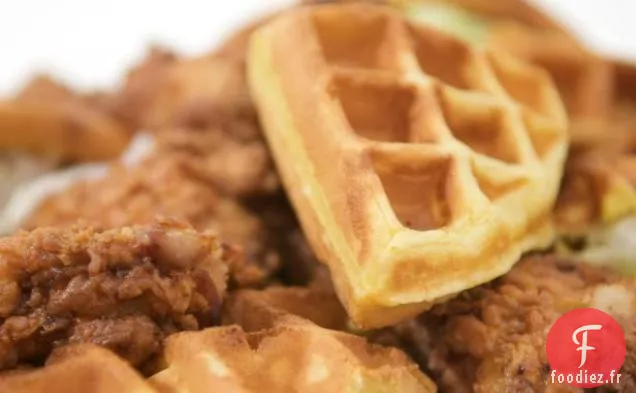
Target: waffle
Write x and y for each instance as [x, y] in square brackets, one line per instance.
[582, 78]
[418, 166]
[519, 28]
[294, 358]
[82, 368]
[258, 310]
[599, 186]
[283, 353]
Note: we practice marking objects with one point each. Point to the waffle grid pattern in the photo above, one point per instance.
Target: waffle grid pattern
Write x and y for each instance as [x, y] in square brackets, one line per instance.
[401, 93]
[419, 166]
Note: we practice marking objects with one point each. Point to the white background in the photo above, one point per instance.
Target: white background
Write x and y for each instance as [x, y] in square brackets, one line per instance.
[90, 43]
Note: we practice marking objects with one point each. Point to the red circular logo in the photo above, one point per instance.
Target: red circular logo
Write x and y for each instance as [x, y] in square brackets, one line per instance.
[585, 348]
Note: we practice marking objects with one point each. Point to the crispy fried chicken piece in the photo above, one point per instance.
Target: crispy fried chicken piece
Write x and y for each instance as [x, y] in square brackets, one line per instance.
[44, 89]
[169, 186]
[130, 104]
[492, 338]
[299, 264]
[48, 119]
[207, 101]
[201, 105]
[237, 165]
[124, 289]
[211, 167]
[235, 47]
[213, 79]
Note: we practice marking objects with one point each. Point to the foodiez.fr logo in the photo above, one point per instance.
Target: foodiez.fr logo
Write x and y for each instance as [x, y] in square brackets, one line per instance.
[585, 348]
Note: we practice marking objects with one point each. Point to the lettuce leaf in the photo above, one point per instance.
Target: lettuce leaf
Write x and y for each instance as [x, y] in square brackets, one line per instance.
[612, 246]
[451, 19]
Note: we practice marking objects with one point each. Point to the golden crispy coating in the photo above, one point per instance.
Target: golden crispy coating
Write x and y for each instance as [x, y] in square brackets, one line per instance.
[207, 97]
[124, 288]
[46, 118]
[234, 159]
[492, 338]
[208, 80]
[168, 186]
[130, 104]
[209, 153]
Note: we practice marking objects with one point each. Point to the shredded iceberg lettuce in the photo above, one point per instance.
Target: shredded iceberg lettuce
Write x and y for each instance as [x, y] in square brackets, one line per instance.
[613, 246]
[451, 19]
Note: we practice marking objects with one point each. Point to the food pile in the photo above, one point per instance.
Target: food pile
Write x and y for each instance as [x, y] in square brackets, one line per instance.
[358, 196]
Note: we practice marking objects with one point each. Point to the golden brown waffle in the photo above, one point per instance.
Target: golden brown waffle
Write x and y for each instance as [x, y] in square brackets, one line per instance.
[582, 78]
[292, 358]
[418, 165]
[280, 352]
[595, 191]
[599, 186]
[525, 31]
[258, 310]
[83, 368]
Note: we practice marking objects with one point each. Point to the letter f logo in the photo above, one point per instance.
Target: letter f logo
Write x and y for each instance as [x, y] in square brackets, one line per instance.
[583, 344]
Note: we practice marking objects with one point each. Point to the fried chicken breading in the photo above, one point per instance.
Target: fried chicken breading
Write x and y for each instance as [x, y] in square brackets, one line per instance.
[236, 164]
[130, 104]
[491, 339]
[207, 101]
[47, 118]
[123, 289]
[210, 167]
[163, 185]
